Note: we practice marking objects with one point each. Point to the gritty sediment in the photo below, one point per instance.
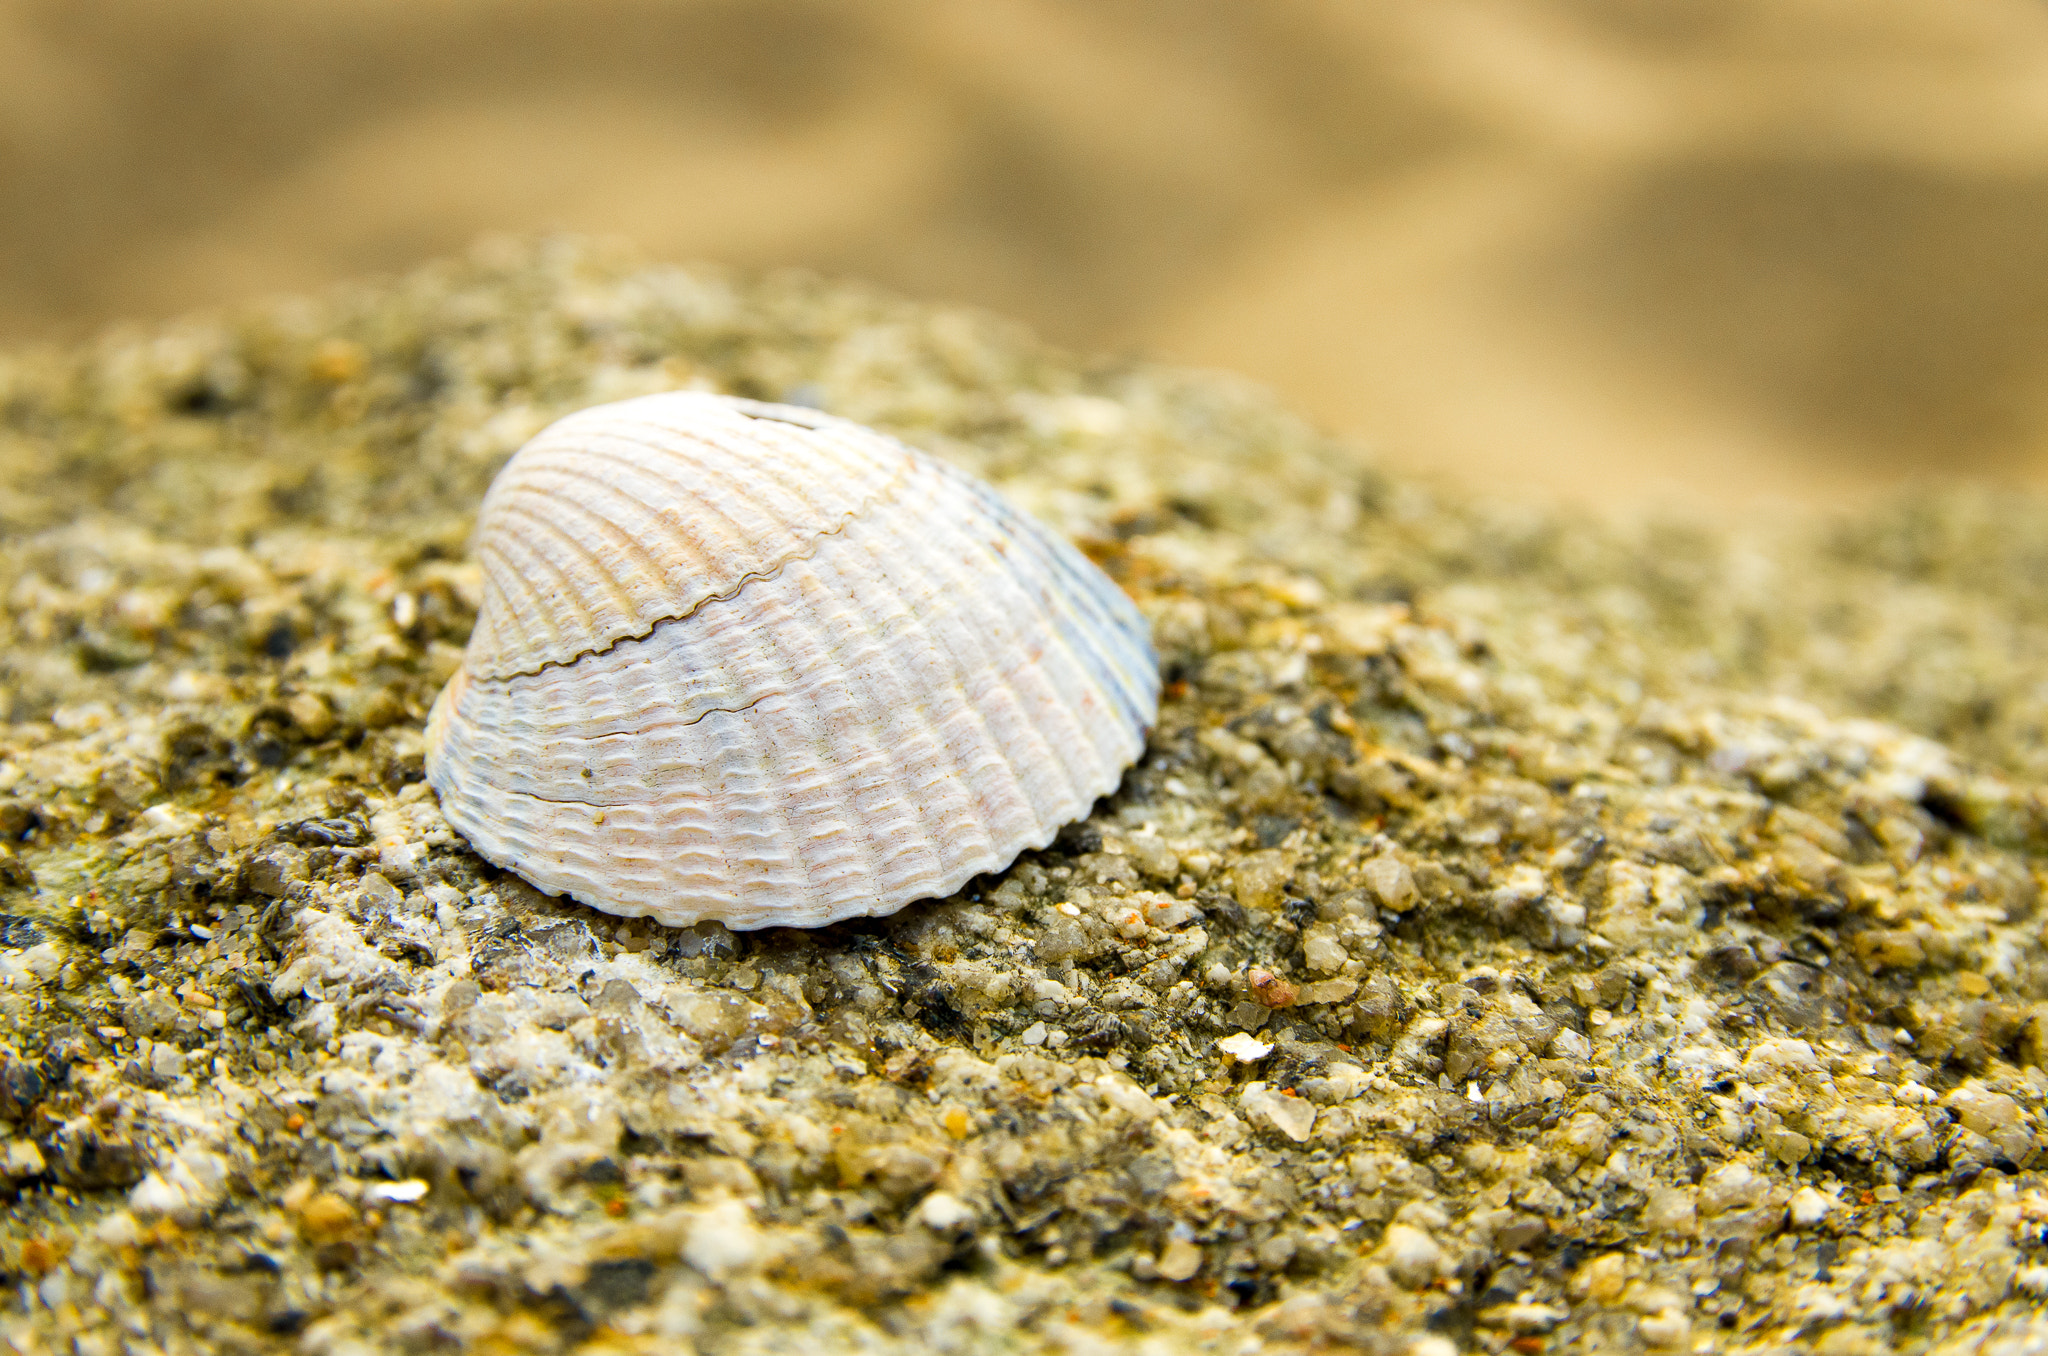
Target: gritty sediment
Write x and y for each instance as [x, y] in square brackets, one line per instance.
[1520, 934]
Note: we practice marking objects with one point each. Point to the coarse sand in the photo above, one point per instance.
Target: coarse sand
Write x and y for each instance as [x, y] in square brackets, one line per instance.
[1522, 932]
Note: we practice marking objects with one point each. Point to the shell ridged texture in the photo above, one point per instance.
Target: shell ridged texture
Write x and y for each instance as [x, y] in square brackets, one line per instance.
[624, 516]
[828, 676]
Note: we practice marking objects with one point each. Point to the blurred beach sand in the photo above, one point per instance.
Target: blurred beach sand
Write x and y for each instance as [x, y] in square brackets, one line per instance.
[1707, 255]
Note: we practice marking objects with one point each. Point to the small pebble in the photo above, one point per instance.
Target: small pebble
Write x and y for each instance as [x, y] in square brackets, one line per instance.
[1411, 1256]
[1179, 1260]
[1245, 1048]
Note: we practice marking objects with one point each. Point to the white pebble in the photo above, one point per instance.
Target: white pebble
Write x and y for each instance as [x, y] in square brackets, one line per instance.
[1127, 1097]
[1291, 1116]
[1392, 882]
[1668, 1328]
[944, 1213]
[1410, 1255]
[1244, 1047]
[1817, 1302]
[723, 1240]
[1179, 1260]
[1810, 1207]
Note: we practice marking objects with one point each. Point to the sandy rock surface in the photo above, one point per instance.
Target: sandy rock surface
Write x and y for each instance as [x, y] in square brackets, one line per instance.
[1520, 935]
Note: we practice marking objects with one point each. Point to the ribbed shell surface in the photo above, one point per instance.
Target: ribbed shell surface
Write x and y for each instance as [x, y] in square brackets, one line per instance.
[829, 676]
[623, 516]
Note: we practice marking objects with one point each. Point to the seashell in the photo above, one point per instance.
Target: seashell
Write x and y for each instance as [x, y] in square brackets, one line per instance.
[757, 664]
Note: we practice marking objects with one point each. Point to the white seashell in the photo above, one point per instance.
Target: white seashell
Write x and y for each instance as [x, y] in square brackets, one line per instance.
[753, 663]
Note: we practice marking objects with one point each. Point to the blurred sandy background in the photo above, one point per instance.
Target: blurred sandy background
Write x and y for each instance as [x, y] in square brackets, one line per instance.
[1722, 253]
